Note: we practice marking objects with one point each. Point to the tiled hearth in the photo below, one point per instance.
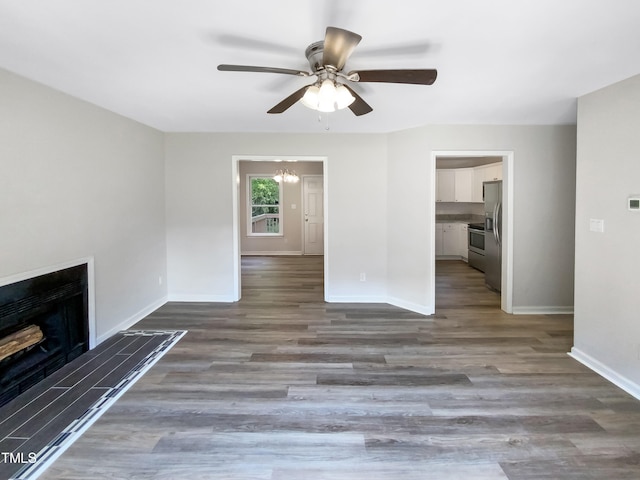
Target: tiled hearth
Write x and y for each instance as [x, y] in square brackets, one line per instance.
[41, 423]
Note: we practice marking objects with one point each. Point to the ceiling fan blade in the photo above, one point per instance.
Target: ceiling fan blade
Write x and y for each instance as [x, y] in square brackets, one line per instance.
[250, 68]
[359, 106]
[416, 77]
[338, 46]
[289, 101]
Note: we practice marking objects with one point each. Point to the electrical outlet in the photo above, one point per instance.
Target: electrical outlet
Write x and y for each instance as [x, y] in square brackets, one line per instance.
[363, 277]
[160, 280]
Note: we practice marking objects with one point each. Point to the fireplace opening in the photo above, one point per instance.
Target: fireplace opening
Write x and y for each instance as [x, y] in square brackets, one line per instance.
[44, 324]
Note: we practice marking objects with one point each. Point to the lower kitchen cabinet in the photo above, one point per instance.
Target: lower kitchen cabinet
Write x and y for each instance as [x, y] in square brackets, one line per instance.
[463, 244]
[439, 239]
[451, 240]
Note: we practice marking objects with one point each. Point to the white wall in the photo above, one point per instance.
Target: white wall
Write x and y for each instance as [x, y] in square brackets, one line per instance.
[199, 210]
[544, 202]
[77, 181]
[607, 280]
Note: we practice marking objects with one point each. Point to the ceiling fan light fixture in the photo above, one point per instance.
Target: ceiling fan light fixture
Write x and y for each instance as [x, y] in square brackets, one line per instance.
[326, 107]
[327, 91]
[310, 98]
[343, 97]
[330, 92]
[329, 97]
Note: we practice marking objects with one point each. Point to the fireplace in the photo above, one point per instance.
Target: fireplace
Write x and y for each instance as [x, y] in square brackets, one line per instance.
[45, 320]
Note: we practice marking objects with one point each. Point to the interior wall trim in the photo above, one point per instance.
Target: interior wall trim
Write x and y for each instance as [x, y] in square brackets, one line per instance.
[356, 299]
[269, 253]
[196, 298]
[545, 310]
[603, 370]
[414, 307]
[91, 285]
[132, 320]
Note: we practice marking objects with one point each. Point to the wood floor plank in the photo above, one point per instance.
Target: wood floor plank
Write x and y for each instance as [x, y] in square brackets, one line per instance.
[282, 385]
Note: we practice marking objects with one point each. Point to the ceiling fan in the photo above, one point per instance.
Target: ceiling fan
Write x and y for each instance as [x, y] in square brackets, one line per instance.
[330, 91]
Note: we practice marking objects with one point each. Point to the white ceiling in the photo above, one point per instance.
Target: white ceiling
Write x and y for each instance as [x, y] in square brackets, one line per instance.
[498, 61]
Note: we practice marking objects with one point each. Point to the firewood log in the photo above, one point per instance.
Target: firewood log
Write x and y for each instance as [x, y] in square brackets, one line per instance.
[20, 340]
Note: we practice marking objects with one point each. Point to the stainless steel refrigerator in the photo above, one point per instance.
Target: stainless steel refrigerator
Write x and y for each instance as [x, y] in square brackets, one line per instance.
[493, 234]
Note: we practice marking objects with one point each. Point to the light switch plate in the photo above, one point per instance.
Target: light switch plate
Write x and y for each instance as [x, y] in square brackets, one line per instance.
[596, 225]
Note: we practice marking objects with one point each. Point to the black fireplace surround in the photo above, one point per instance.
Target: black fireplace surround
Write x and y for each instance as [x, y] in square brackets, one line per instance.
[57, 303]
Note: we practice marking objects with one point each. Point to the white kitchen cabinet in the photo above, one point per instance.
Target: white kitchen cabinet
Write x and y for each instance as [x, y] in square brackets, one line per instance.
[484, 173]
[464, 184]
[463, 244]
[450, 239]
[438, 239]
[445, 185]
[494, 172]
[479, 175]
[454, 185]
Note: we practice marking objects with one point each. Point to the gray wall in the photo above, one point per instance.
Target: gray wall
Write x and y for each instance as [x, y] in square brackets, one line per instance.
[77, 181]
[378, 217]
[607, 280]
[544, 204]
[66, 162]
[200, 218]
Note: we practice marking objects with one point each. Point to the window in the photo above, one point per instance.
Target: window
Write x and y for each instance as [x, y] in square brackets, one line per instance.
[263, 206]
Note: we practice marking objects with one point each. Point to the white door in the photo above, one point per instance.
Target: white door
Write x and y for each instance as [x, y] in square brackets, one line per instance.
[312, 198]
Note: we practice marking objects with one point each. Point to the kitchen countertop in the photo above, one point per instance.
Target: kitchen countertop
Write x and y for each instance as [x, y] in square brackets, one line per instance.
[459, 218]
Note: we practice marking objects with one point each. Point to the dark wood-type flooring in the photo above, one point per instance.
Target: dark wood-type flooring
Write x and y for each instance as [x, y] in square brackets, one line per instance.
[284, 386]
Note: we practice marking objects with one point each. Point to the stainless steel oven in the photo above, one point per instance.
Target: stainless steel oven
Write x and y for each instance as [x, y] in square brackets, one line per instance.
[476, 246]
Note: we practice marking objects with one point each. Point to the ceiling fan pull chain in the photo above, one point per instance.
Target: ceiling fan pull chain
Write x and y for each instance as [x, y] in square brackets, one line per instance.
[320, 120]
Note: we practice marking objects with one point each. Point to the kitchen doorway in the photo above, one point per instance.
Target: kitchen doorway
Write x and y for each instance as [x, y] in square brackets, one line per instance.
[451, 214]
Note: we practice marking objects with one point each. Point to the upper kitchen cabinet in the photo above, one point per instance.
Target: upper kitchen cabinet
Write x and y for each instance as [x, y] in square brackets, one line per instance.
[454, 185]
[485, 173]
[494, 172]
[445, 185]
[464, 184]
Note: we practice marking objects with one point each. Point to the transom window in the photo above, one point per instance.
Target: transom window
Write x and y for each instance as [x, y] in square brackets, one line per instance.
[264, 200]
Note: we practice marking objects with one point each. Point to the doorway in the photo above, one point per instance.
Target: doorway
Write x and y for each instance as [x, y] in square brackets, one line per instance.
[469, 160]
[296, 207]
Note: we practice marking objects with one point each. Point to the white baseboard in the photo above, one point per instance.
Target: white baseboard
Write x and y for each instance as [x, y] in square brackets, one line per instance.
[600, 368]
[355, 299]
[414, 307]
[270, 253]
[133, 319]
[396, 302]
[179, 297]
[543, 310]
